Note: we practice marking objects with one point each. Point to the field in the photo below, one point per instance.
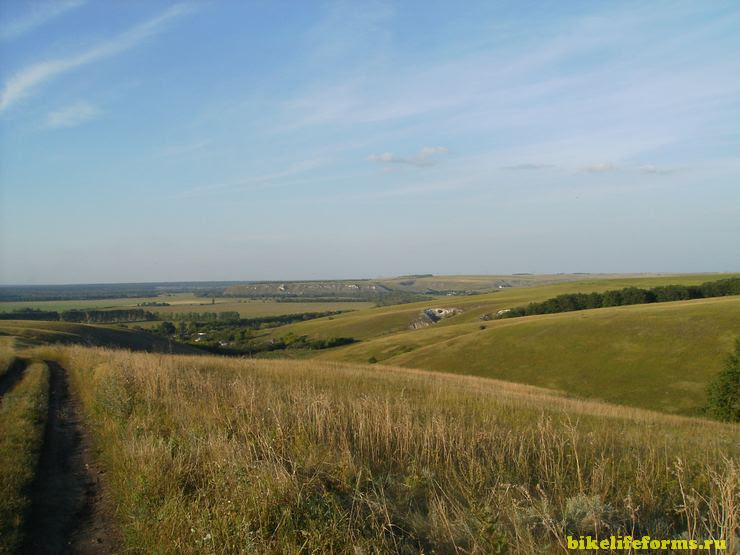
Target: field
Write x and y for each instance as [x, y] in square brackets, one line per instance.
[657, 356]
[250, 308]
[465, 436]
[485, 283]
[187, 302]
[224, 456]
[374, 322]
[99, 304]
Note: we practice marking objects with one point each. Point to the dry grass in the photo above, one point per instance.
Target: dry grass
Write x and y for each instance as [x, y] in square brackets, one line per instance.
[22, 419]
[225, 456]
[7, 354]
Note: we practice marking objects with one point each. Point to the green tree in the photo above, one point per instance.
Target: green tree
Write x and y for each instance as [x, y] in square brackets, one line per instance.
[167, 328]
[724, 390]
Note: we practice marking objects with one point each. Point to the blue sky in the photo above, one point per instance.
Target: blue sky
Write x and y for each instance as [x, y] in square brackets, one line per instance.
[144, 141]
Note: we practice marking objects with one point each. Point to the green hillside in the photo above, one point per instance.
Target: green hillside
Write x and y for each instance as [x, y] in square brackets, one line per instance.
[657, 356]
[375, 322]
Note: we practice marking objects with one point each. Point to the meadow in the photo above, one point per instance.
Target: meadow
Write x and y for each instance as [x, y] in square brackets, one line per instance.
[658, 356]
[211, 454]
[215, 455]
[375, 322]
[188, 302]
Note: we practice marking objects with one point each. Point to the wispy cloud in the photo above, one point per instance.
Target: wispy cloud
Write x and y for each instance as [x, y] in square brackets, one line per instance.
[72, 115]
[613, 108]
[610, 168]
[427, 156]
[529, 167]
[264, 180]
[37, 15]
[178, 150]
[33, 76]
[656, 170]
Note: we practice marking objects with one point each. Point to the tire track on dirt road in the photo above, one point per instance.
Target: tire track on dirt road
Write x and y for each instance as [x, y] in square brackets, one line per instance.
[67, 513]
[12, 376]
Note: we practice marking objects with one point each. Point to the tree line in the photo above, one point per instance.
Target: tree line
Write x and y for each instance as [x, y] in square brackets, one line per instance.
[94, 316]
[86, 316]
[626, 296]
[223, 316]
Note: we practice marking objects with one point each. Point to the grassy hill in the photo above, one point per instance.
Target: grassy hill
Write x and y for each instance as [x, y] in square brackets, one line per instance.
[374, 322]
[486, 283]
[221, 455]
[423, 283]
[658, 356]
[22, 333]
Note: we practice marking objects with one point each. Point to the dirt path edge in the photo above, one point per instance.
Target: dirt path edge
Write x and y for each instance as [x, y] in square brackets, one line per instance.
[68, 512]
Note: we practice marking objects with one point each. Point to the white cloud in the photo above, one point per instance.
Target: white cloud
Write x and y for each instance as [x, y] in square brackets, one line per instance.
[36, 16]
[72, 115]
[21, 84]
[427, 156]
[599, 168]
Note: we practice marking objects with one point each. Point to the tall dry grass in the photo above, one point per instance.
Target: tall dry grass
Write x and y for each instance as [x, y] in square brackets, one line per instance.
[220, 455]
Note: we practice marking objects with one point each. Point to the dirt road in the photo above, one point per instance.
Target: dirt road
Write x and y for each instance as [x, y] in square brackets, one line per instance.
[68, 514]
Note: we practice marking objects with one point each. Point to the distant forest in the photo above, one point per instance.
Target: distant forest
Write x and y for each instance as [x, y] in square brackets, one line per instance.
[96, 291]
[86, 316]
[225, 318]
[626, 296]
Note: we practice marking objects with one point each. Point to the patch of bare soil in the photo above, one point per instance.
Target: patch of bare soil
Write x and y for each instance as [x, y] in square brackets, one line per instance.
[68, 514]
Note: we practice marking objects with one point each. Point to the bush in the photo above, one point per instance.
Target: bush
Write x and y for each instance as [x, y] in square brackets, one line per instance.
[724, 390]
[167, 328]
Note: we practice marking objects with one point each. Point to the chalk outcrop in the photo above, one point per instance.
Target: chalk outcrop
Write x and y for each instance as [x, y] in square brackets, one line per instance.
[430, 316]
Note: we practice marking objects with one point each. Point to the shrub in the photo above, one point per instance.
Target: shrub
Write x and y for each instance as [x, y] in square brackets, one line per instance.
[724, 390]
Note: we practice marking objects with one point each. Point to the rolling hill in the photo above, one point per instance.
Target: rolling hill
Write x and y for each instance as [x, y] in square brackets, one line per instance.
[658, 356]
[375, 322]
